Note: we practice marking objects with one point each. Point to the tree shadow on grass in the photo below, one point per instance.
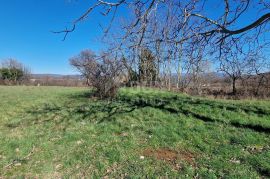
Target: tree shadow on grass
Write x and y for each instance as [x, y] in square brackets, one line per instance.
[98, 112]
[165, 105]
[108, 109]
[104, 111]
[82, 95]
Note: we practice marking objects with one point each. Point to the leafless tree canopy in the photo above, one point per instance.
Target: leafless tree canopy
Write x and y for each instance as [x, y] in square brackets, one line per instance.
[185, 35]
[85, 63]
[193, 15]
[102, 72]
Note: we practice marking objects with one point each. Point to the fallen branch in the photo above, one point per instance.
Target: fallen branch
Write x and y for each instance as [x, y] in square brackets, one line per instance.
[18, 160]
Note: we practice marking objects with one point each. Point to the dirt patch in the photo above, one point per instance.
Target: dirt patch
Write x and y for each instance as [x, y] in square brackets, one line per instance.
[123, 134]
[171, 156]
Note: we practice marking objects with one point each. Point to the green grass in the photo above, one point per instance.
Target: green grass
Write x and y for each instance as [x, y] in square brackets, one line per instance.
[50, 132]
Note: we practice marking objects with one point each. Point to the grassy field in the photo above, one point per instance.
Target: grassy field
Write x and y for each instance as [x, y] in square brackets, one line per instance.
[51, 132]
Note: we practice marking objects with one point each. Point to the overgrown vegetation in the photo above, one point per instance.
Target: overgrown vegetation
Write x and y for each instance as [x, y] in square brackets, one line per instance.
[101, 72]
[13, 72]
[50, 132]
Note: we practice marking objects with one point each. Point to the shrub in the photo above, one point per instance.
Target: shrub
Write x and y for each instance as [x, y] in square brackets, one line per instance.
[13, 72]
[102, 73]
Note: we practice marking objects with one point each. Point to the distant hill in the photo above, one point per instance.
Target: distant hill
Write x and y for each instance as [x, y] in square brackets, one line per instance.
[55, 76]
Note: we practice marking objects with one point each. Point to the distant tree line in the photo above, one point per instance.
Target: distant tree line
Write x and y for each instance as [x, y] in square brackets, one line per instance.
[57, 80]
[13, 72]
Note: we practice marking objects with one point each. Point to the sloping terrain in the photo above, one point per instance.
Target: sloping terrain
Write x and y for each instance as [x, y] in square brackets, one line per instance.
[52, 132]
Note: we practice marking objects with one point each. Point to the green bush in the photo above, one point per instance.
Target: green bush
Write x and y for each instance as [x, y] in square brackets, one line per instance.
[11, 74]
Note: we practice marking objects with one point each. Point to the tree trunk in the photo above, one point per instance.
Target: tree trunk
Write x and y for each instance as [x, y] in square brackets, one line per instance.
[179, 68]
[234, 86]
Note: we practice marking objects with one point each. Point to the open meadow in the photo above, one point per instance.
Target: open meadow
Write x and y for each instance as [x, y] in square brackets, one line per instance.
[53, 132]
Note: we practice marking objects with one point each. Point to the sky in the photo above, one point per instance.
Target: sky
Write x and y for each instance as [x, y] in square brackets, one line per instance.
[26, 25]
[25, 33]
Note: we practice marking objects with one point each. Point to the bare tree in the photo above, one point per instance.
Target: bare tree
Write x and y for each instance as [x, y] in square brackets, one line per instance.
[189, 13]
[102, 72]
[85, 62]
[237, 66]
[182, 34]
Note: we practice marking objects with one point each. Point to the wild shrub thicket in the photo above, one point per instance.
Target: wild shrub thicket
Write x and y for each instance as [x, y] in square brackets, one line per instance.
[102, 72]
[13, 72]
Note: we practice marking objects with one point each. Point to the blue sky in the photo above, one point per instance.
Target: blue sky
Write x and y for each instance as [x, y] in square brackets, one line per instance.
[25, 33]
[26, 25]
